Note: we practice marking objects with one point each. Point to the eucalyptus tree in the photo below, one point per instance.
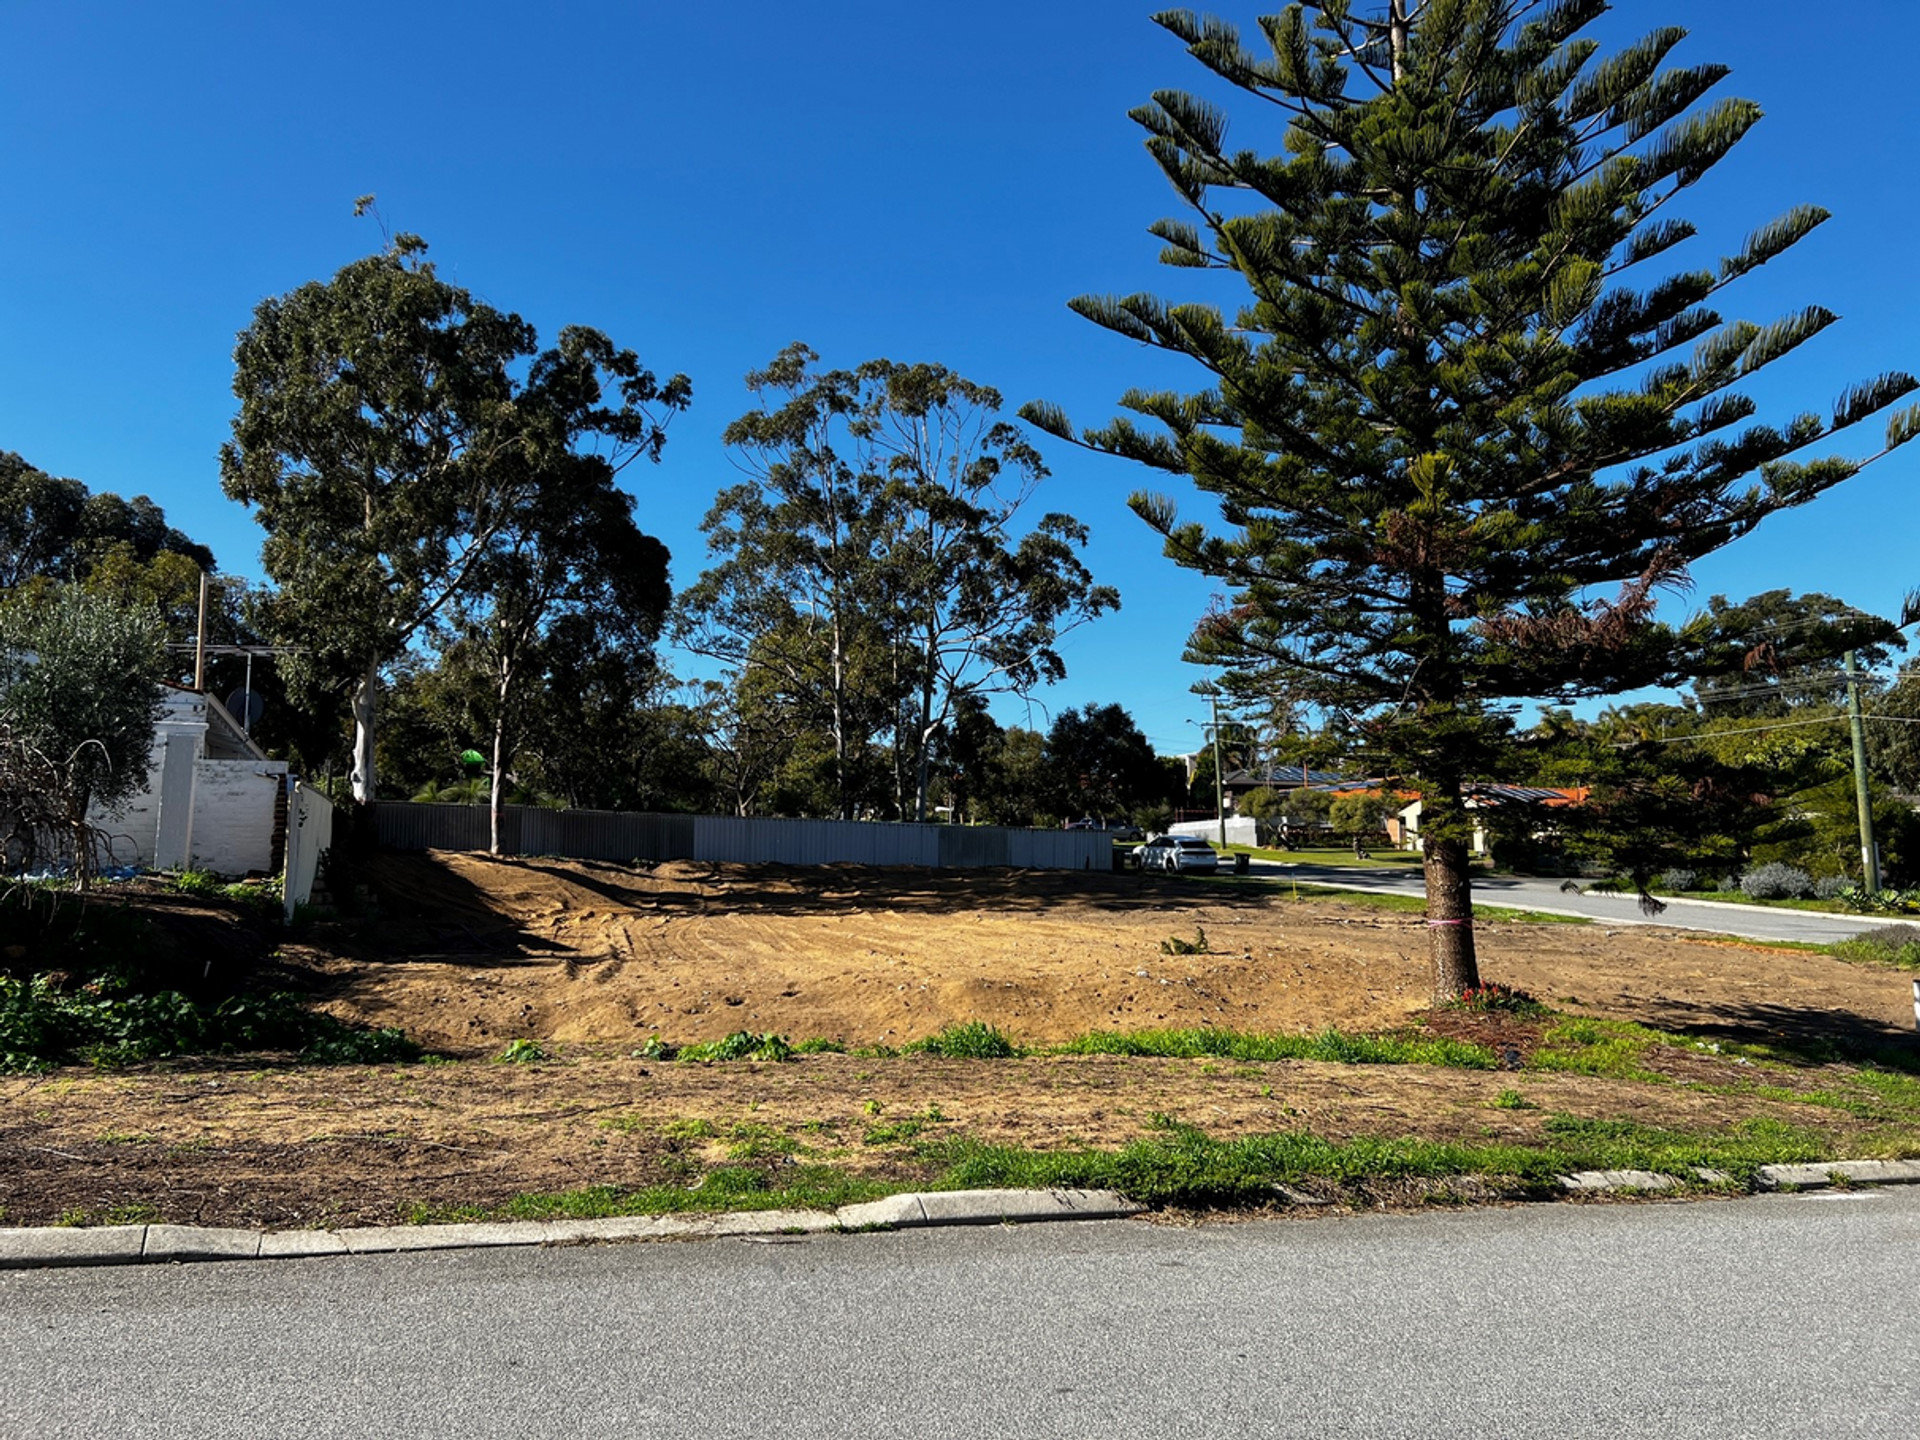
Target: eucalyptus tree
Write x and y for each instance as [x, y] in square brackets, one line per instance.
[1453, 408]
[982, 607]
[391, 430]
[874, 552]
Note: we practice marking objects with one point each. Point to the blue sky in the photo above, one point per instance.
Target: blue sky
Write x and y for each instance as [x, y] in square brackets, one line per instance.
[708, 183]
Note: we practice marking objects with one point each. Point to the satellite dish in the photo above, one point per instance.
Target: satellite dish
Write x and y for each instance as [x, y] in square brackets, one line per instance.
[247, 706]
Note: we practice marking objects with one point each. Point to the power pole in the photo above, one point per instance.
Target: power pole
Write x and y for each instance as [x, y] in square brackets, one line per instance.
[1869, 853]
[1219, 781]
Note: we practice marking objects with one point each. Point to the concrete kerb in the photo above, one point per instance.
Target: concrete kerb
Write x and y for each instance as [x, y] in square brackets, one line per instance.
[53, 1246]
[56, 1246]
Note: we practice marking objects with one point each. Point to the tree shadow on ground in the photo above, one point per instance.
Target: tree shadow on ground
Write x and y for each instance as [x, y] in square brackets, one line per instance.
[1817, 1036]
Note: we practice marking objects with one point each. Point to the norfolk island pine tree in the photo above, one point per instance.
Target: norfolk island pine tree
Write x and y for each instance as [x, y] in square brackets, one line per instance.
[1453, 407]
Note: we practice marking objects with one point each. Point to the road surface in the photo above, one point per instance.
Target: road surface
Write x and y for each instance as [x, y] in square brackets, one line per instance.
[1787, 1314]
[1527, 893]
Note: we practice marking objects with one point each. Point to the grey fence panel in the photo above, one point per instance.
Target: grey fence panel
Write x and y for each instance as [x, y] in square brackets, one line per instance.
[403, 826]
[967, 847]
[620, 836]
[1060, 849]
[607, 835]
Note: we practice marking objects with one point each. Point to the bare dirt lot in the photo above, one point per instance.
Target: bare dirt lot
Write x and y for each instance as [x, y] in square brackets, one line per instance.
[472, 951]
[469, 953]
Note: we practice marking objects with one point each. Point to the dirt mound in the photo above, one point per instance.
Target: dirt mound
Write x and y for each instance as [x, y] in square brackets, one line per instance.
[472, 951]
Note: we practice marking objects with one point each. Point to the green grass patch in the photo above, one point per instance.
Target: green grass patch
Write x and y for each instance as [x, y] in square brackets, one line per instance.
[1400, 904]
[971, 1040]
[726, 1188]
[1180, 1164]
[1330, 1045]
[1613, 1048]
[1342, 858]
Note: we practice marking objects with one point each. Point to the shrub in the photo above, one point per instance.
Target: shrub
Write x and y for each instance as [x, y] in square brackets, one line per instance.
[1776, 881]
[1678, 880]
[105, 1024]
[1897, 945]
[1831, 887]
[1890, 938]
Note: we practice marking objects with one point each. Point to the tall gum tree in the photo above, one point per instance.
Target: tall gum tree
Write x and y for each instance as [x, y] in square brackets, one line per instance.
[391, 431]
[1455, 409]
[882, 510]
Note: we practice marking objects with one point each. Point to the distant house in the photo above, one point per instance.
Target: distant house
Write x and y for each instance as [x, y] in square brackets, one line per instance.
[1404, 829]
[1238, 784]
[213, 800]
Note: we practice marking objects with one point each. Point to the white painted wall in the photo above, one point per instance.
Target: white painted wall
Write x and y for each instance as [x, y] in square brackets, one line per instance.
[194, 812]
[1240, 830]
[233, 806]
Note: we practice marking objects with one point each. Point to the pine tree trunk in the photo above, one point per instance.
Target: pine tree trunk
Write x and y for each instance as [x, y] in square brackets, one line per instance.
[363, 776]
[1443, 824]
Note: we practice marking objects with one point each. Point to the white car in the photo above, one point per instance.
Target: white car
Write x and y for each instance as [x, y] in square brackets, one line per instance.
[1179, 855]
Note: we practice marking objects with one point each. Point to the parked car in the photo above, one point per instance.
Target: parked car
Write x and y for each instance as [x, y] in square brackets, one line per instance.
[1179, 855]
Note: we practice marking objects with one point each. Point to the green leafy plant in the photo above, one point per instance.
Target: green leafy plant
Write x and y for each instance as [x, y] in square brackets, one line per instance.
[522, 1052]
[740, 1045]
[1174, 945]
[105, 1022]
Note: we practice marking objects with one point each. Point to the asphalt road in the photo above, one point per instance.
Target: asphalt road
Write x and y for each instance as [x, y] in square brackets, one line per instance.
[1525, 893]
[1757, 1316]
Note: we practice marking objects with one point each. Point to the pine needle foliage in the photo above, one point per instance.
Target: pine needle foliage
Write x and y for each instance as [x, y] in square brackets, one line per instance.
[1456, 407]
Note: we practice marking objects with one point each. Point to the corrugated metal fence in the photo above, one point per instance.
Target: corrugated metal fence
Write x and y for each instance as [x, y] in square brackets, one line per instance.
[617, 835]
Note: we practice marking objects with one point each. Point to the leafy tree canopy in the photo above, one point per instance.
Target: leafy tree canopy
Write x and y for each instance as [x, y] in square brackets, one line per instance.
[57, 529]
[391, 430]
[1458, 402]
[79, 694]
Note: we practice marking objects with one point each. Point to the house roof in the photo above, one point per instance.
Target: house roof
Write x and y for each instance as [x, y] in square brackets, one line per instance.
[1295, 776]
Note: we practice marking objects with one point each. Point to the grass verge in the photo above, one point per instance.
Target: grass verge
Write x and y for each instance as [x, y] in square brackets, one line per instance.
[1181, 1165]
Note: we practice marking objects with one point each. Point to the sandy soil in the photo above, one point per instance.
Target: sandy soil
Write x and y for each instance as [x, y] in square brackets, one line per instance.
[289, 1147]
[473, 951]
[470, 952]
